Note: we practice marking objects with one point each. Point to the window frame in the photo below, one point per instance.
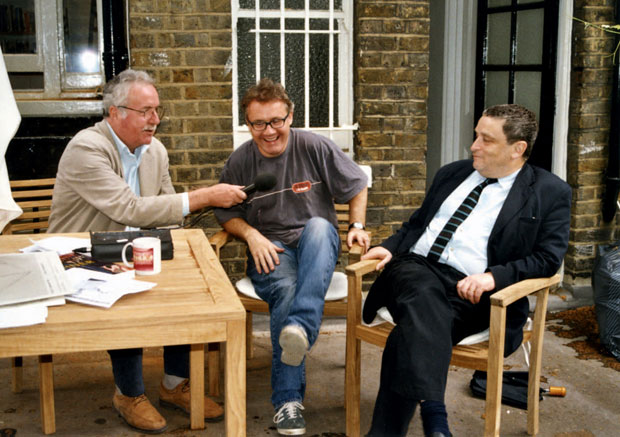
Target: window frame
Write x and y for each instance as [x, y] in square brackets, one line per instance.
[342, 135]
[61, 89]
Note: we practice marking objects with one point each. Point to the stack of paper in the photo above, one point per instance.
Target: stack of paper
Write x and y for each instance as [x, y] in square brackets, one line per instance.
[35, 279]
[29, 283]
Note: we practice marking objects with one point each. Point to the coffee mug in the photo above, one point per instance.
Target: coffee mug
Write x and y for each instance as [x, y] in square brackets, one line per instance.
[146, 255]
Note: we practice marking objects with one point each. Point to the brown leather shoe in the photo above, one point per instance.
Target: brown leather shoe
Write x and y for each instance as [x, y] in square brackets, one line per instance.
[179, 398]
[139, 413]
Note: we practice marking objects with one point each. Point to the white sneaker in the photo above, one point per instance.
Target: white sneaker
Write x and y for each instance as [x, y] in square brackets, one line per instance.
[294, 343]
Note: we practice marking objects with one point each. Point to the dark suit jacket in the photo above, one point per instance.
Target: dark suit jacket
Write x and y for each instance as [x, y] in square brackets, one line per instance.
[529, 238]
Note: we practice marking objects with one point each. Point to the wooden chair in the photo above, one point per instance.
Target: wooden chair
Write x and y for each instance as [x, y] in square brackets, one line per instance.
[34, 197]
[336, 307]
[488, 356]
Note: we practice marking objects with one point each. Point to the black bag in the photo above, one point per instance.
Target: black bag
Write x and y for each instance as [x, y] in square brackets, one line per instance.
[514, 388]
[107, 246]
[606, 287]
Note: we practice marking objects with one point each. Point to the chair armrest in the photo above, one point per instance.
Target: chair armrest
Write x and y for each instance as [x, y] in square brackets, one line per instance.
[219, 239]
[361, 268]
[516, 291]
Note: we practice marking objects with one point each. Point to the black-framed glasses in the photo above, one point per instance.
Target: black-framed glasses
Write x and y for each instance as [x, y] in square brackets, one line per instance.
[148, 112]
[261, 125]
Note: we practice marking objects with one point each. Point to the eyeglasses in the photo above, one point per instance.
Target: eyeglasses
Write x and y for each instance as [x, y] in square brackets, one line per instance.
[148, 112]
[261, 125]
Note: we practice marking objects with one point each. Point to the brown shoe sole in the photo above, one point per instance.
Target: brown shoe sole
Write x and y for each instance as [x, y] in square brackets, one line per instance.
[145, 431]
[177, 407]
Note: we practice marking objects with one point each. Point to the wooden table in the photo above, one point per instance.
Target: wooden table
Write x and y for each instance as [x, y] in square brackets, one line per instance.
[193, 303]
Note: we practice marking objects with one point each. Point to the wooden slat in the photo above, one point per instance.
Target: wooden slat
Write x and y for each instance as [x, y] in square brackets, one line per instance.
[32, 182]
[25, 194]
[34, 197]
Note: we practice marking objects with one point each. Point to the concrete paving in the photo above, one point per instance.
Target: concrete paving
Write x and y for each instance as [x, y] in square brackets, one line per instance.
[84, 386]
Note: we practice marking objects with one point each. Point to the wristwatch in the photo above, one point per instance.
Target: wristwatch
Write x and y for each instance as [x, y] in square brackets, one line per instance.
[356, 225]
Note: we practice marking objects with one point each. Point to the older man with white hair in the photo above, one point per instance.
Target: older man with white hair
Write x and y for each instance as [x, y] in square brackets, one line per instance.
[114, 176]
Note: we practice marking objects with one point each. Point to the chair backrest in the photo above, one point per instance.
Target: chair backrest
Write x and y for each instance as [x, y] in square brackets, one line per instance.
[34, 196]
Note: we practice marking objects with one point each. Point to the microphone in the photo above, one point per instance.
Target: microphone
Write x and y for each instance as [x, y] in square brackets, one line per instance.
[262, 182]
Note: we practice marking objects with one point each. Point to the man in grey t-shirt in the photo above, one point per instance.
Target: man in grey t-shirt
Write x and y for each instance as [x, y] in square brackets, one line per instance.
[291, 232]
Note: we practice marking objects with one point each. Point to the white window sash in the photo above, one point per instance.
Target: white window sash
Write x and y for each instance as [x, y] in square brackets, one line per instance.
[341, 135]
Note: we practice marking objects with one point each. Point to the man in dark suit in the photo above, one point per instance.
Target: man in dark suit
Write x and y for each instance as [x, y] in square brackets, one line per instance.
[485, 224]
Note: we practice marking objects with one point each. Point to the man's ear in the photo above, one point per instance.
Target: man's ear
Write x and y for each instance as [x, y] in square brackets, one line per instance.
[113, 111]
[519, 148]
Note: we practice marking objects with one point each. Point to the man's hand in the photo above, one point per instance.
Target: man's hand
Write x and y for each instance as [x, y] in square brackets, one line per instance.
[360, 236]
[379, 252]
[472, 287]
[226, 195]
[264, 252]
[219, 196]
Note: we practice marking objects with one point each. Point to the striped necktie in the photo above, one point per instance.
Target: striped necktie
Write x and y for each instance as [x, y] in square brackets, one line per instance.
[459, 216]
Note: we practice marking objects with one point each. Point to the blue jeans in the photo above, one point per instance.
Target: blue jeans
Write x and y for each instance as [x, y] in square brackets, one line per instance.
[295, 292]
[127, 367]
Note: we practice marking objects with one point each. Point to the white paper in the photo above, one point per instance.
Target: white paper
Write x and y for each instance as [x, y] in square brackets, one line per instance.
[103, 289]
[25, 314]
[26, 277]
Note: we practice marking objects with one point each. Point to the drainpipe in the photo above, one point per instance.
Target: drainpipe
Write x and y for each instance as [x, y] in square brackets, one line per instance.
[115, 54]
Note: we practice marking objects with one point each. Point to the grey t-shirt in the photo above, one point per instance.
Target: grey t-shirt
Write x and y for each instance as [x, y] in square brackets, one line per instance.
[311, 174]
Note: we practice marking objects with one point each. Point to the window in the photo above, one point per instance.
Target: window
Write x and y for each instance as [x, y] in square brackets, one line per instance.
[517, 47]
[306, 45]
[53, 53]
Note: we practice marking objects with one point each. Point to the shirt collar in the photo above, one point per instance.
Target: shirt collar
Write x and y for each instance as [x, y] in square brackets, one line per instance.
[124, 150]
[506, 181]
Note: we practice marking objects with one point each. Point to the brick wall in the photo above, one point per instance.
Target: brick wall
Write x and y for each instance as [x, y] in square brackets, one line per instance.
[391, 89]
[590, 104]
[185, 44]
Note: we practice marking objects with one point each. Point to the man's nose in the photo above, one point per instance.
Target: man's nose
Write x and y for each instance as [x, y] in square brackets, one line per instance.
[475, 144]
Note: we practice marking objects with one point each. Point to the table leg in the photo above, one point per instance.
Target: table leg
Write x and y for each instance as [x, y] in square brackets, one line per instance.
[235, 379]
[197, 386]
[46, 393]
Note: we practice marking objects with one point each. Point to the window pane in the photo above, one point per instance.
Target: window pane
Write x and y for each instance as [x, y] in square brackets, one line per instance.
[270, 4]
[319, 24]
[498, 39]
[530, 26]
[294, 43]
[294, 4]
[527, 90]
[247, 4]
[494, 3]
[81, 36]
[496, 92]
[319, 80]
[270, 56]
[17, 27]
[269, 23]
[246, 61]
[294, 24]
[27, 81]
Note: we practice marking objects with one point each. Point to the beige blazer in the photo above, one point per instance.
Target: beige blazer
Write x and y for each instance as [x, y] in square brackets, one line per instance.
[90, 193]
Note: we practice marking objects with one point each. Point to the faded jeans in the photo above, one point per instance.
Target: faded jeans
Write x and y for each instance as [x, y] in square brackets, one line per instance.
[295, 292]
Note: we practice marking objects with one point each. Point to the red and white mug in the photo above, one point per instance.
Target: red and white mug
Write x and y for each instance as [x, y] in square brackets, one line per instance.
[146, 255]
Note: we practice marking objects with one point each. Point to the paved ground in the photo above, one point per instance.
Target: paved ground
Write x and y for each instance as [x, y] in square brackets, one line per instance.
[83, 391]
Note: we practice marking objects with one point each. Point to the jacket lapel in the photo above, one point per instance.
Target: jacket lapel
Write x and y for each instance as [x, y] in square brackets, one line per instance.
[516, 199]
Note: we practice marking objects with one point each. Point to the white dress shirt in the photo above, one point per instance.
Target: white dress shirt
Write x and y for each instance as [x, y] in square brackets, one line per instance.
[467, 249]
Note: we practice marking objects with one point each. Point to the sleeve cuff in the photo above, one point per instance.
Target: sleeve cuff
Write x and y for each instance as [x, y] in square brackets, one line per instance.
[185, 199]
